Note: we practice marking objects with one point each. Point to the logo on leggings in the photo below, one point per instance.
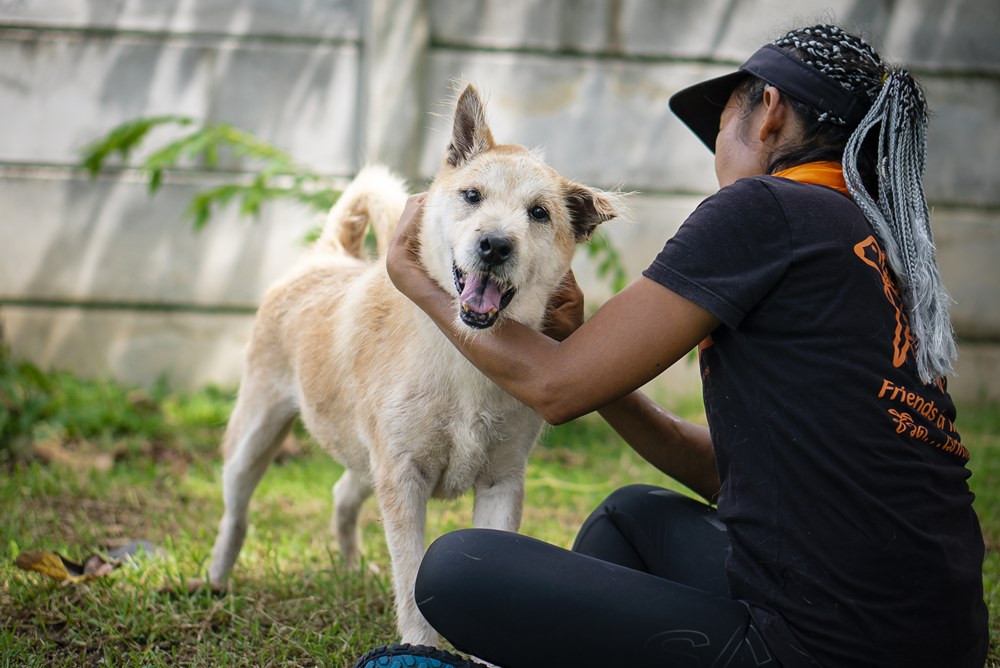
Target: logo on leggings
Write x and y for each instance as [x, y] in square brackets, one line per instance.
[694, 648]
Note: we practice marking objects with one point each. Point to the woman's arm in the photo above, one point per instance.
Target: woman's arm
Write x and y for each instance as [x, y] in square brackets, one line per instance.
[681, 449]
[630, 340]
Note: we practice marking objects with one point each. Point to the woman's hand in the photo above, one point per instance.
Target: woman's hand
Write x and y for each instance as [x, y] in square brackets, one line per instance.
[402, 260]
[565, 309]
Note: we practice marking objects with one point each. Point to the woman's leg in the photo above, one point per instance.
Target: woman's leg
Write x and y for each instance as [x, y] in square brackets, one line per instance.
[519, 602]
[660, 532]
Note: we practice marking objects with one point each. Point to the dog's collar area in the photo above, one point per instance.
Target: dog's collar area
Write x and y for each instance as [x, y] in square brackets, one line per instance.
[481, 297]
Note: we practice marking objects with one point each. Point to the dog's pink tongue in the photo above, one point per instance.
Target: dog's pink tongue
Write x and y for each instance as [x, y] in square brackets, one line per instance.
[480, 294]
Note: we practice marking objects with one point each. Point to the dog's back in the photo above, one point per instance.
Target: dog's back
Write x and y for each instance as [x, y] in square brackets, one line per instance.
[292, 327]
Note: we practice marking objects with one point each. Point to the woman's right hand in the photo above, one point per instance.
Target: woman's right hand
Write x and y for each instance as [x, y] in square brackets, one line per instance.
[402, 260]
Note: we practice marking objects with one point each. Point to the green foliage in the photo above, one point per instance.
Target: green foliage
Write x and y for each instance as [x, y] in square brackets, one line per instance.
[124, 139]
[25, 400]
[610, 266]
[278, 176]
[35, 406]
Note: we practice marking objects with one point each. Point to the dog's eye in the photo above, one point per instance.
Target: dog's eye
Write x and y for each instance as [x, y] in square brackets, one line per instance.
[472, 196]
[538, 213]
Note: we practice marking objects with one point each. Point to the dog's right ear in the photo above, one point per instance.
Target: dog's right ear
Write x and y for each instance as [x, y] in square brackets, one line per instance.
[469, 135]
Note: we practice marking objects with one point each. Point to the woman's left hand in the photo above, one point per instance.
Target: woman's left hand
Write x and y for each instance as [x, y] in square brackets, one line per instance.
[564, 314]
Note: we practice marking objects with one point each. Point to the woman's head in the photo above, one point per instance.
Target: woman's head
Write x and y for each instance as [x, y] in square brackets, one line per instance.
[840, 102]
[850, 62]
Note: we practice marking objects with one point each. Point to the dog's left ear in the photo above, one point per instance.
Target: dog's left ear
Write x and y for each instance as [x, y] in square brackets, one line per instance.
[469, 135]
[588, 208]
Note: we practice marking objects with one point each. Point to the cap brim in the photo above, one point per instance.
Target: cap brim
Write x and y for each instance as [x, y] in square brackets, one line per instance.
[700, 106]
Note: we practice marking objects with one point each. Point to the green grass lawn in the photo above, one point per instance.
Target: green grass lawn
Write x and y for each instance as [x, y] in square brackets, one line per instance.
[89, 466]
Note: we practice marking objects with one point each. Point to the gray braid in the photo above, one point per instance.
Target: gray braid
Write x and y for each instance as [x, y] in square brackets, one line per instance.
[900, 217]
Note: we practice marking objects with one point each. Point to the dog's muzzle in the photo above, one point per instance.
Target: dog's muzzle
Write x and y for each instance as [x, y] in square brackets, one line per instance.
[482, 296]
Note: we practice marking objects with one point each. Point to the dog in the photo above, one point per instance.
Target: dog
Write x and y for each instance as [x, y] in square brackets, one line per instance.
[376, 383]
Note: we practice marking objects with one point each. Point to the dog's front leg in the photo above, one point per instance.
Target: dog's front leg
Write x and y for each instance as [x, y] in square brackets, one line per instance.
[499, 501]
[403, 497]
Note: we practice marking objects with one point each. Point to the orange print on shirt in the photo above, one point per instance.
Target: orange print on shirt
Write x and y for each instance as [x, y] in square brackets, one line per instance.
[704, 345]
[872, 255]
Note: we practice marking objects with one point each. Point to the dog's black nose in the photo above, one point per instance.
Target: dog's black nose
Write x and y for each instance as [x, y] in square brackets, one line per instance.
[494, 249]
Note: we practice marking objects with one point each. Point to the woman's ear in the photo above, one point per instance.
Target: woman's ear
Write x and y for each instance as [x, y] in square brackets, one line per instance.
[777, 117]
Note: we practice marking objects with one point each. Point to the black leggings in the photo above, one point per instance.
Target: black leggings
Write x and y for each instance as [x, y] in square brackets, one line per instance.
[645, 585]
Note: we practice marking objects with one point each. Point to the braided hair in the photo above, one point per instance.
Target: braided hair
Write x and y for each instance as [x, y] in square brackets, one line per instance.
[883, 159]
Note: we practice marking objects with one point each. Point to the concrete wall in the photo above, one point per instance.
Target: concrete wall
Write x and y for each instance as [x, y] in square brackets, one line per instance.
[97, 277]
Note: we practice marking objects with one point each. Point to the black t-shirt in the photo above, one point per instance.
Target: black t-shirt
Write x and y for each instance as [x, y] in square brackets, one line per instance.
[844, 486]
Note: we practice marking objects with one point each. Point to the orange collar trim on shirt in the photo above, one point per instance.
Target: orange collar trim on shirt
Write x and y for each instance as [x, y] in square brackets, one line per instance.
[823, 173]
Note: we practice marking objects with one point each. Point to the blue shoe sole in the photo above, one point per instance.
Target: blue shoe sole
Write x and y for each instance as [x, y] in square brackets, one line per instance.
[413, 656]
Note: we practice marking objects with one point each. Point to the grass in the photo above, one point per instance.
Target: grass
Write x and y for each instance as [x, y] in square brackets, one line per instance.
[90, 465]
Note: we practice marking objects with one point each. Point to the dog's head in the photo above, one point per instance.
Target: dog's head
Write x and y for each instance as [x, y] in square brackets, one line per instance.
[500, 226]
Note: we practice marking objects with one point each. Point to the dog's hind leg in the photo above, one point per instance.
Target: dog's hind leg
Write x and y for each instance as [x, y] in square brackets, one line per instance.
[349, 494]
[253, 437]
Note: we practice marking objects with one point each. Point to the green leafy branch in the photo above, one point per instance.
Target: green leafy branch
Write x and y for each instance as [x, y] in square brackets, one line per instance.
[610, 265]
[279, 176]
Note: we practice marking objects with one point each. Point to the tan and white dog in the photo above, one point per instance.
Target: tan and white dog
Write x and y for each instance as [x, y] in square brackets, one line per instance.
[374, 380]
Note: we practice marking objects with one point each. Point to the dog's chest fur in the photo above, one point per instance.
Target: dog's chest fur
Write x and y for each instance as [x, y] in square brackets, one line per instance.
[463, 427]
[402, 397]
[484, 431]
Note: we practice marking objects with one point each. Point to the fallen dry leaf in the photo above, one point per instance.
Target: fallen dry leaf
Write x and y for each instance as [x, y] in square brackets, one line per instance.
[62, 569]
[59, 568]
[85, 457]
[46, 563]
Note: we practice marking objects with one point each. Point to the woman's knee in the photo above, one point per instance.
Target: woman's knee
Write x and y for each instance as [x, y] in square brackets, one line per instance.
[632, 501]
[651, 504]
[634, 496]
[439, 567]
[455, 567]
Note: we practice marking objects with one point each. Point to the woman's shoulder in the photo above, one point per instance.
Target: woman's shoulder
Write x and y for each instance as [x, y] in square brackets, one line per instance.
[765, 192]
[748, 195]
[796, 202]
[787, 189]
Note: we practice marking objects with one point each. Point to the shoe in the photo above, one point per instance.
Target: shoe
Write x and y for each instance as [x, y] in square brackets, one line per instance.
[413, 656]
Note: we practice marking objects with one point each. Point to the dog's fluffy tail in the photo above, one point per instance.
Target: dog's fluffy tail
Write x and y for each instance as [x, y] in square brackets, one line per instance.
[374, 198]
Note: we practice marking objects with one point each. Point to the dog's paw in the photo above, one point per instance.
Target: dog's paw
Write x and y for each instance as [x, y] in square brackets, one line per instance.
[191, 587]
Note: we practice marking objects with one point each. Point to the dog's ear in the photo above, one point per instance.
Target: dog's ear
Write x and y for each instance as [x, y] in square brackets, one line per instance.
[469, 135]
[588, 208]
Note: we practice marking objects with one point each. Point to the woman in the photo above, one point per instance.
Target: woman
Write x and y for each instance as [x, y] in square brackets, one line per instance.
[844, 533]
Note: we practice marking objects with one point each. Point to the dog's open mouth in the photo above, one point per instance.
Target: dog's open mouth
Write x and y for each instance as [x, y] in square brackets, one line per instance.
[482, 297]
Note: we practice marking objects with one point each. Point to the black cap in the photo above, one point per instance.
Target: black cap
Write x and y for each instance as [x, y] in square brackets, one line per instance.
[700, 106]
